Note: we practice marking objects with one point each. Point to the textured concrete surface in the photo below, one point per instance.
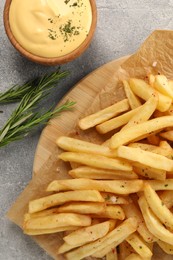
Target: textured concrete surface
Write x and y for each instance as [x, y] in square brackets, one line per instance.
[122, 27]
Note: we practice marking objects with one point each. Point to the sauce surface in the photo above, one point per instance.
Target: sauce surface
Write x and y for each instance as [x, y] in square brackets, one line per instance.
[50, 28]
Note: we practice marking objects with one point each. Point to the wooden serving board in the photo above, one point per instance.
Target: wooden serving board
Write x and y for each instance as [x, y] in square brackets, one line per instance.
[83, 93]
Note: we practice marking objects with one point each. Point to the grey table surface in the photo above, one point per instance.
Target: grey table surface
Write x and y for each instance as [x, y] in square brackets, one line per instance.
[122, 27]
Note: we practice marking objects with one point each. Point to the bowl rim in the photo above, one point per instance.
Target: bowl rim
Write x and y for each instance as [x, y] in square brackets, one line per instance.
[56, 60]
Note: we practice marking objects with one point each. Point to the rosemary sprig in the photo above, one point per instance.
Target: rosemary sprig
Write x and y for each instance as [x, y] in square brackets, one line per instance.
[46, 82]
[25, 117]
[16, 130]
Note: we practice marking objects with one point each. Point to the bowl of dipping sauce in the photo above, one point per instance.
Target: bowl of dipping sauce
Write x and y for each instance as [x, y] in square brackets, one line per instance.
[50, 32]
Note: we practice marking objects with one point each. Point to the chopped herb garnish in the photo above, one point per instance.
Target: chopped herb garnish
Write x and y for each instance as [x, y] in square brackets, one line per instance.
[107, 197]
[67, 30]
[66, 1]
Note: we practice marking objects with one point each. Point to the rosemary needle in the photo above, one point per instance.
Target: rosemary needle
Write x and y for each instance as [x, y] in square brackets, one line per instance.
[13, 131]
[46, 82]
[25, 118]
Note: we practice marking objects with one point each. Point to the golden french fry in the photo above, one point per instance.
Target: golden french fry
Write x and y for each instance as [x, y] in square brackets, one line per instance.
[115, 237]
[144, 112]
[145, 158]
[66, 247]
[157, 206]
[82, 207]
[36, 232]
[153, 224]
[139, 245]
[167, 198]
[112, 255]
[63, 197]
[111, 198]
[96, 161]
[165, 151]
[170, 82]
[138, 131]
[101, 174]
[167, 248]
[103, 252]
[112, 212]
[134, 256]
[161, 185]
[116, 122]
[57, 220]
[167, 135]
[104, 115]
[76, 145]
[145, 91]
[149, 172]
[133, 211]
[151, 79]
[133, 100]
[162, 85]
[88, 234]
[114, 186]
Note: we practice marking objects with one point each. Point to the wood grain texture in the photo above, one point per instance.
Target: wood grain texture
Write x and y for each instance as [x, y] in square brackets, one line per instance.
[83, 93]
[50, 61]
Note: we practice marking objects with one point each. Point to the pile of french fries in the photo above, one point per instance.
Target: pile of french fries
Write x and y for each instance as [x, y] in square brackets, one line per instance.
[119, 200]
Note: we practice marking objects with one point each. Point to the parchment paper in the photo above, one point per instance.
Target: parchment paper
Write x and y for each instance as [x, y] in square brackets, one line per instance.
[154, 56]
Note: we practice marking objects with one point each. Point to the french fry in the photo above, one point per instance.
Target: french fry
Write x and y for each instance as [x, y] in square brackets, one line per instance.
[139, 245]
[161, 185]
[170, 82]
[96, 161]
[111, 198]
[144, 112]
[151, 79]
[114, 237]
[133, 100]
[157, 206]
[112, 255]
[113, 186]
[145, 91]
[101, 174]
[83, 208]
[167, 248]
[36, 232]
[104, 115]
[133, 211]
[103, 252]
[111, 212]
[116, 122]
[65, 247]
[165, 151]
[134, 256]
[153, 224]
[162, 85]
[61, 198]
[167, 198]
[139, 131]
[57, 220]
[149, 172]
[145, 158]
[167, 135]
[88, 234]
[76, 145]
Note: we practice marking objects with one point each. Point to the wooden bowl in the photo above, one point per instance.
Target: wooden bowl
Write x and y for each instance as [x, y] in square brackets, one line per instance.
[50, 61]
